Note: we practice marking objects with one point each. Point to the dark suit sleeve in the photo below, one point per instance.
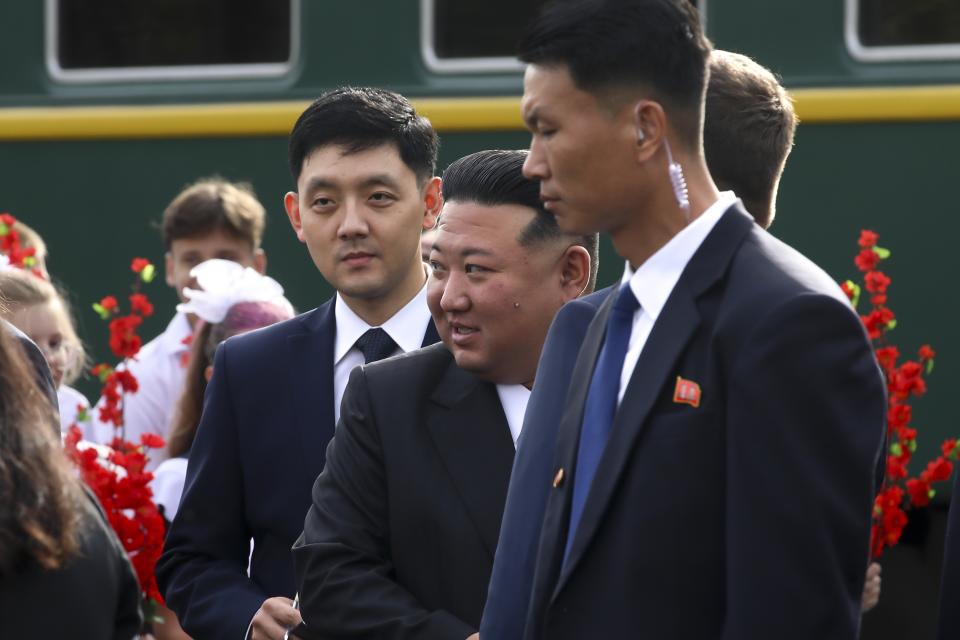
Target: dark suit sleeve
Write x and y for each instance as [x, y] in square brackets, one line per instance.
[806, 409]
[203, 570]
[950, 582]
[342, 559]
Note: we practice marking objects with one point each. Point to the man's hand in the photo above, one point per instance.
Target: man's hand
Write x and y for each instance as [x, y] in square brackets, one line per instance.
[871, 588]
[275, 616]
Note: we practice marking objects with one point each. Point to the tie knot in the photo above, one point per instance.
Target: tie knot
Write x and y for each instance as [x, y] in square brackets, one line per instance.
[375, 344]
[626, 302]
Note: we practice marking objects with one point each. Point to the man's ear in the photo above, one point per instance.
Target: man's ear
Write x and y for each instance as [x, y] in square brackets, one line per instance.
[291, 202]
[260, 261]
[432, 202]
[574, 272]
[168, 269]
[650, 126]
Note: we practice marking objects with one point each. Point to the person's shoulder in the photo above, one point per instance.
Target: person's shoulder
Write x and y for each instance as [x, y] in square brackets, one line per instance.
[774, 272]
[408, 372]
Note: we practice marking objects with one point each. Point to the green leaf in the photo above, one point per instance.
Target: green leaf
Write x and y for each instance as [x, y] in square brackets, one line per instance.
[891, 325]
[855, 288]
[104, 374]
[148, 273]
[882, 253]
[896, 450]
[4, 229]
[912, 446]
[931, 493]
[101, 311]
[929, 366]
[82, 415]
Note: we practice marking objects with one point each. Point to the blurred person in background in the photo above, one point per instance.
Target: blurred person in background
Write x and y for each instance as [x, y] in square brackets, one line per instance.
[232, 299]
[63, 572]
[35, 307]
[212, 218]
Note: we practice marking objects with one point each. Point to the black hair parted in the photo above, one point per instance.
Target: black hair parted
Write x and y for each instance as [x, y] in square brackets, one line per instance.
[611, 44]
[495, 177]
[361, 118]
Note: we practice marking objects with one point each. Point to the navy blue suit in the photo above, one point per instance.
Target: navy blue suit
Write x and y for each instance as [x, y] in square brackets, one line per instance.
[268, 417]
[745, 517]
[509, 593]
[950, 585]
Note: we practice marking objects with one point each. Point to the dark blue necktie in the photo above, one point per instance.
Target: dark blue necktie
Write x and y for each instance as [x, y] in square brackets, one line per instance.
[375, 344]
[601, 404]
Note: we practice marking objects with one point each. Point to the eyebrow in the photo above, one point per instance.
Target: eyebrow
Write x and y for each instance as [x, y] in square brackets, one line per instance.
[466, 253]
[381, 179]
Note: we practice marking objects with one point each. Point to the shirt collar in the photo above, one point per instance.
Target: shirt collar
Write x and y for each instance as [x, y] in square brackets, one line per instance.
[407, 326]
[176, 332]
[654, 281]
[513, 399]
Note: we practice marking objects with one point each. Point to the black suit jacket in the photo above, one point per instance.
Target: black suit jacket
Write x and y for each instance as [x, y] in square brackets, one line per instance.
[267, 419]
[747, 517]
[400, 538]
[950, 582]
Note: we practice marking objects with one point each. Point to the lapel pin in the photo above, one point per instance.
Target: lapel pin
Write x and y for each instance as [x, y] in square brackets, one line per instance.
[558, 479]
[686, 392]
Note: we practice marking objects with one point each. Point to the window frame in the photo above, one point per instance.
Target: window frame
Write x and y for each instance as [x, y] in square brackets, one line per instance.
[104, 75]
[890, 53]
[500, 64]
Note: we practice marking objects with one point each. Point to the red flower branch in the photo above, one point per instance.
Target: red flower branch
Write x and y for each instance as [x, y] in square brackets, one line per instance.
[905, 381]
[118, 476]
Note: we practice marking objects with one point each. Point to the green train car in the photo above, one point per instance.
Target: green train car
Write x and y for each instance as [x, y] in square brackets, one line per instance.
[109, 107]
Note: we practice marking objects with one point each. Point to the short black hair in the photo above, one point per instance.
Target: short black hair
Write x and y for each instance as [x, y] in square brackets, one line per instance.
[615, 44]
[495, 177]
[361, 118]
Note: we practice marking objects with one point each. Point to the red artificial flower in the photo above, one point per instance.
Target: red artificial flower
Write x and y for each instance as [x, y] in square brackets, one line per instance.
[899, 415]
[126, 380]
[152, 441]
[878, 299]
[926, 353]
[139, 303]
[876, 321]
[876, 282]
[867, 260]
[139, 264]
[949, 448]
[888, 356]
[896, 469]
[919, 492]
[938, 470]
[8, 220]
[868, 239]
[110, 304]
[124, 342]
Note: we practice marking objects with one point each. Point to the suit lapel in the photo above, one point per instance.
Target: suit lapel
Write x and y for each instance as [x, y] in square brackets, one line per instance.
[311, 379]
[467, 424]
[430, 336]
[673, 330]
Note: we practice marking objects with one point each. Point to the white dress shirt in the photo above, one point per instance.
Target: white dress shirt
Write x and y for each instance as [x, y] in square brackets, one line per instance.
[654, 281]
[407, 327]
[514, 398]
[70, 401]
[160, 369]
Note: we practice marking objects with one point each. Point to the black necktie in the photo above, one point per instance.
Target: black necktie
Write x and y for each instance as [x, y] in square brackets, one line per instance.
[375, 344]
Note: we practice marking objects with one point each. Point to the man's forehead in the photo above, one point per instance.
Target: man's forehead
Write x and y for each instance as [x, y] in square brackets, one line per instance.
[342, 162]
[481, 227]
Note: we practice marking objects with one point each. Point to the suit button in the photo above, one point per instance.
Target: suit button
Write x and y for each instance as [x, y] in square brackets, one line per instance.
[558, 479]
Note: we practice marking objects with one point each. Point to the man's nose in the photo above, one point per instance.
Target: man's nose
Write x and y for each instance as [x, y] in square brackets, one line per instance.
[454, 296]
[353, 223]
[534, 167]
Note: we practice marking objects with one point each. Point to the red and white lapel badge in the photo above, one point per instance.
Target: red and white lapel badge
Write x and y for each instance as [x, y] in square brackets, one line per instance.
[686, 392]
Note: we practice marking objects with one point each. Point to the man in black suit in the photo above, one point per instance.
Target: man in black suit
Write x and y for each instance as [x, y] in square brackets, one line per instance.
[400, 539]
[748, 132]
[949, 621]
[363, 163]
[713, 474]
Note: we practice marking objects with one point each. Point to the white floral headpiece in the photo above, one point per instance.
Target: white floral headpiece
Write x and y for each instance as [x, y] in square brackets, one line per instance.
[224, 283]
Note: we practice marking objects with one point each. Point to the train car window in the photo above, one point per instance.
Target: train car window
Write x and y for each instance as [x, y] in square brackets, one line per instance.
[158, 39]
[459, 36]
[891, 30]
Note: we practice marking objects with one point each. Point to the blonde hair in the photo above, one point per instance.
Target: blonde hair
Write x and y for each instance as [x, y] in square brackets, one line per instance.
[29, 238]
[20, 289]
